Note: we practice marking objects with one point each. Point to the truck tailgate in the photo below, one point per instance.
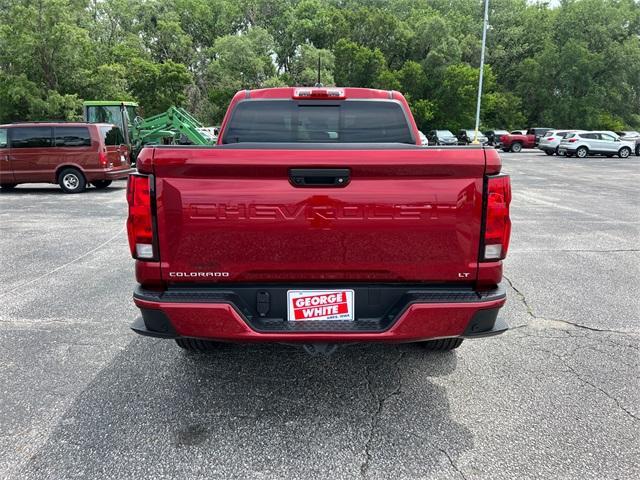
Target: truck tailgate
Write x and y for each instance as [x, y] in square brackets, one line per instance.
[233, 215]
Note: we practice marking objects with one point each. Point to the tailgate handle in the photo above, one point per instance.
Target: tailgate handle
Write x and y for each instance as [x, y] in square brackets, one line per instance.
[319, 177]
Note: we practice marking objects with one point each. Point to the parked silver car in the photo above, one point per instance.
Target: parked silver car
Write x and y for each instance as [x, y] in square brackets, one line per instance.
[550, 142]
[595, 143]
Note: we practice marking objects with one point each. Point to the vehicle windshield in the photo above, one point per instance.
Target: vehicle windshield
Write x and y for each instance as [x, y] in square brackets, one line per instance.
[471, 133]
[444, 133]
[110, 114]
[287, 121]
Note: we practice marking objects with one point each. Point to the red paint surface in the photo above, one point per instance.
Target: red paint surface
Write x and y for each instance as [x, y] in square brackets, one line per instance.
[406, 215]
[527, 141]
[220, 321]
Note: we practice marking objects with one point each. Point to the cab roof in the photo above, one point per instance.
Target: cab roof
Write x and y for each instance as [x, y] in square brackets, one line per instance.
[106, 103]
[289, 92]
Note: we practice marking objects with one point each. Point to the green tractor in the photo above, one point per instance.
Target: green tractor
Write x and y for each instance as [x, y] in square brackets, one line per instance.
[175, 126]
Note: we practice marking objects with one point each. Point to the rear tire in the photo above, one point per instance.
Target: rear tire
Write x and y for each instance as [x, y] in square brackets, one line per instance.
[442, 345]
[548, 152]
[195, 345]
[624, 152]
[505, 149]
[582, 152]
[8, 186]
[72, 180]
[101, 184]
[516, 147]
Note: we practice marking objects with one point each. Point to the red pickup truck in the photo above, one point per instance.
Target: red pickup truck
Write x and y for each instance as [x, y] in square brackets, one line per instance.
[318, 220]
[516, 141]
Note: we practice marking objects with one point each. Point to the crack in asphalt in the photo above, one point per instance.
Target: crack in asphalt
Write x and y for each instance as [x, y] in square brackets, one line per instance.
[532, 314]
[455, 467]
[562, 359]
[375, 420]
[591, 384]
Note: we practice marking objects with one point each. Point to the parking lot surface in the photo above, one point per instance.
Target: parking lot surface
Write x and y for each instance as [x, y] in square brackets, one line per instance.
[557, 396]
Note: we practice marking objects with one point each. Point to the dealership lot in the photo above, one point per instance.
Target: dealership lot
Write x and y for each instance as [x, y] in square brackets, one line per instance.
[557, 396]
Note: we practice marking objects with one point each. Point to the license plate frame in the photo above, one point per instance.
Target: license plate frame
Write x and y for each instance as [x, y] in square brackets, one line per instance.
[315, 305]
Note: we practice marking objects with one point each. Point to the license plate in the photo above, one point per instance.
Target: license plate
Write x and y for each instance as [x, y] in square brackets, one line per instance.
[310, 305]
[123, 159]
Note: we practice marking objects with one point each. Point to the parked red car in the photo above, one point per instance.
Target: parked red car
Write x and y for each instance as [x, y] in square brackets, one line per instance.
[516, 141]
[318, 220]
[70, 154]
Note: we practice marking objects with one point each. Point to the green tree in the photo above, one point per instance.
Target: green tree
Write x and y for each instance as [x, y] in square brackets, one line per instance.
[157, 86]
[423, 112]
[577, 63]
[357, 66]
[45, 58]
[413, 80]
[241, 61]
[304, 66]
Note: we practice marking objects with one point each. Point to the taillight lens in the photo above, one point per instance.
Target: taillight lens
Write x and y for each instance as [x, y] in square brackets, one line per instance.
[573, 140]
[102, 156]
[140, 222]
[497, 231]
[550, 139]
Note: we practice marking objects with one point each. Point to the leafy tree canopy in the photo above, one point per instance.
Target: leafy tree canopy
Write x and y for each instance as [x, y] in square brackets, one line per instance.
[576, 64]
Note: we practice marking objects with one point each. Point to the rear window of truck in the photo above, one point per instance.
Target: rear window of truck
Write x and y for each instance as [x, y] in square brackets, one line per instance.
[286, 121]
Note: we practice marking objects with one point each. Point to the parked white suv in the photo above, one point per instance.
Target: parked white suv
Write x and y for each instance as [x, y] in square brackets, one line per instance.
[550, 143]
[595, 143]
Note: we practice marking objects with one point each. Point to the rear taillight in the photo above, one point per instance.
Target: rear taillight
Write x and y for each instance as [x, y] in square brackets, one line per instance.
[497, 229]
[550, 139]
[140, 221]
[102, 157]
[573, 140]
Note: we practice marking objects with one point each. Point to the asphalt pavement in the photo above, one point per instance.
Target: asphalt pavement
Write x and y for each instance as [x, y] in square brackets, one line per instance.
[557, 396]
